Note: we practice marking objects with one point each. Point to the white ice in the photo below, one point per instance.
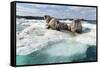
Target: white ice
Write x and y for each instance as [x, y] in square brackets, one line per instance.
[36, 36]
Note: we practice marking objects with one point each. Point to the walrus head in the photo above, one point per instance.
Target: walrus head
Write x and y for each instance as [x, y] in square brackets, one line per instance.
[77, 20]
[47, 18]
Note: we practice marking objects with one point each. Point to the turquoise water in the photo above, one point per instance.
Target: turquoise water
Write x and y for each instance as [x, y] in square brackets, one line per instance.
[59, 53]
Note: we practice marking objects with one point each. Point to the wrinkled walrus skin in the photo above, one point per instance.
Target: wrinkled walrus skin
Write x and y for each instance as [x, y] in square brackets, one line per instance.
[54, 23]
[75, 26]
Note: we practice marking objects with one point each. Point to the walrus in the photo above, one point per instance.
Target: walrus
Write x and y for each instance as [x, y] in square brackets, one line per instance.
[51, 22]
[75, 26]
[54, 23]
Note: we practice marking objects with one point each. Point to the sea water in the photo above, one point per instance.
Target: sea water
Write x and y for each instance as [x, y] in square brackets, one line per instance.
[59, 53]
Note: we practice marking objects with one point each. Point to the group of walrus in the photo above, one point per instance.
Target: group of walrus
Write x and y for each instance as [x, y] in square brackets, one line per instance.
[75, 26]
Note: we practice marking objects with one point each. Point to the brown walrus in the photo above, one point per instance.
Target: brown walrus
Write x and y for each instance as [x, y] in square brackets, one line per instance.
[75, 26]
[54, 23]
